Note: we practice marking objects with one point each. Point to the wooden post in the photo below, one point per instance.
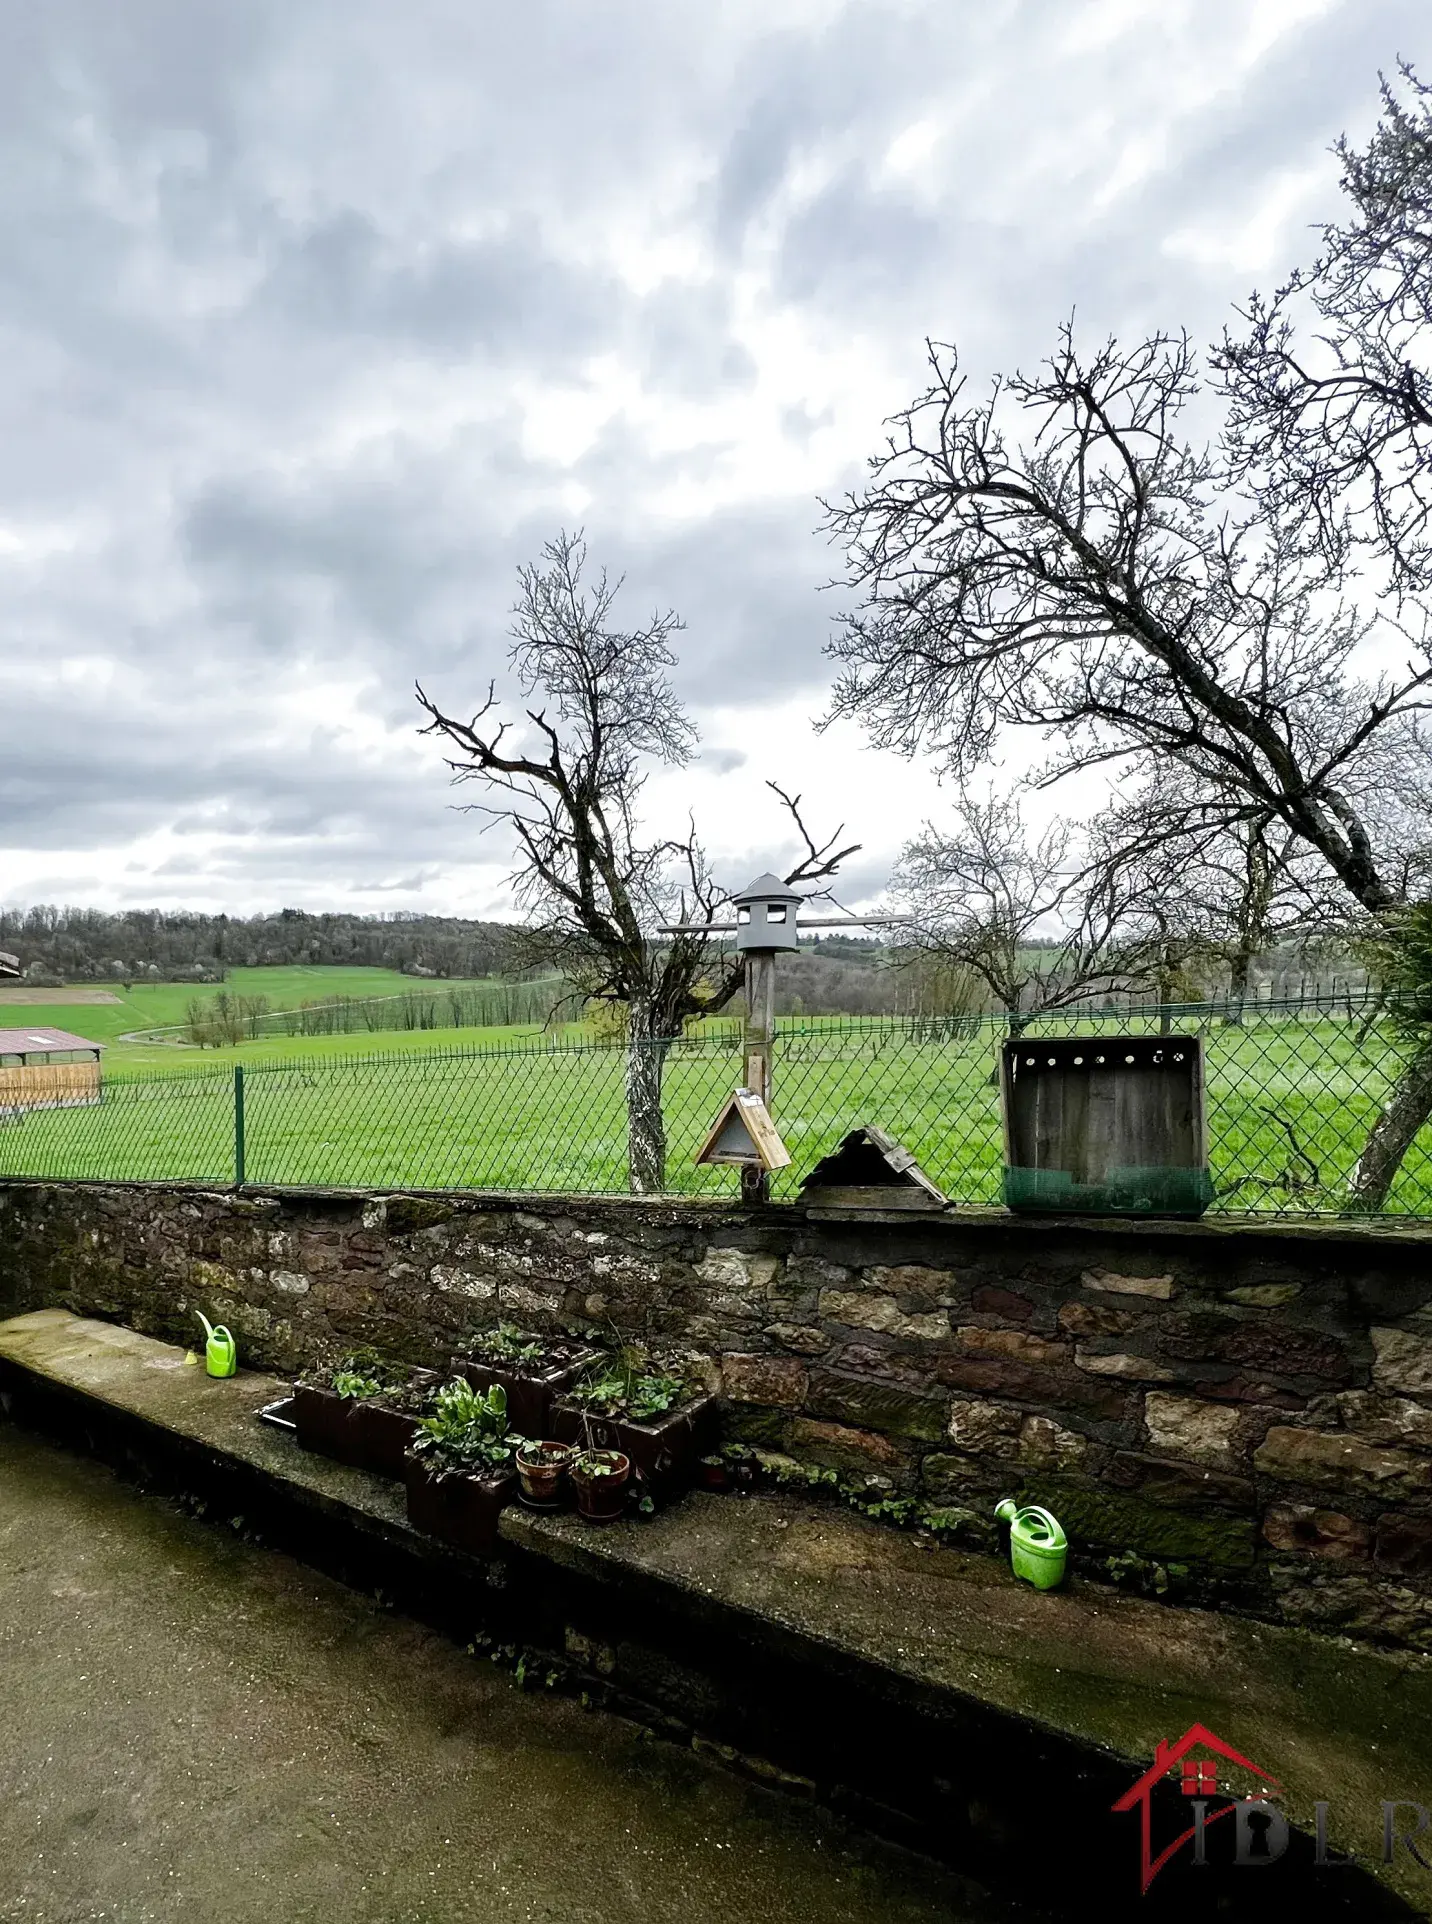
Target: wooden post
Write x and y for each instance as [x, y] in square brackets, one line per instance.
[758, 1038]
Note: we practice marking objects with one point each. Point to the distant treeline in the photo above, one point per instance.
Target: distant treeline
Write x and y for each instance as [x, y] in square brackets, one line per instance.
[219, 1021]
[84, 945]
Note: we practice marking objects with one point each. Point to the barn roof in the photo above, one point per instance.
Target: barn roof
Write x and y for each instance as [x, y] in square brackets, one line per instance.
[39, 1042]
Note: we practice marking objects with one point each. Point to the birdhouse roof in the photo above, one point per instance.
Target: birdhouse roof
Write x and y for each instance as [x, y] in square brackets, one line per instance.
[767, 888]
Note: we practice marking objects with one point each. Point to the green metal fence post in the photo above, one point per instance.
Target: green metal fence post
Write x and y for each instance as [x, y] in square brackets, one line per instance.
[238, 1127]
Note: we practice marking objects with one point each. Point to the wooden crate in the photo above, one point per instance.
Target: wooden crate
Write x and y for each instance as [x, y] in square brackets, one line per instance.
[1105, 1125]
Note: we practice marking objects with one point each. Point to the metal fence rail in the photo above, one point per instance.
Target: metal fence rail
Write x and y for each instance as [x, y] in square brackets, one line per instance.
[1292, 1090]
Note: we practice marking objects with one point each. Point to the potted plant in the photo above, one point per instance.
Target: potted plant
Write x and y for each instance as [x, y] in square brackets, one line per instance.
[540, 1469]
[600, 1479]
[531, 1367]
[647, 1408]
[362, 1411]
[459, 1466]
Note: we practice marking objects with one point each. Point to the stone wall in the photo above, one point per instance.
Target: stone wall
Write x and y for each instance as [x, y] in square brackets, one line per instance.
[1221, 1413]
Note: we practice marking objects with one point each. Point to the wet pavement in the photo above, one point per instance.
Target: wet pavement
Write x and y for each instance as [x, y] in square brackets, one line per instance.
[197, 1728]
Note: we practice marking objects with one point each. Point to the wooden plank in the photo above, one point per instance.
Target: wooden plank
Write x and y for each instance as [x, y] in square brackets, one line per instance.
[872, 1196]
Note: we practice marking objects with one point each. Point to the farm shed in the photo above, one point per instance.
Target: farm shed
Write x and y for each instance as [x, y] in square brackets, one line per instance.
[47, 1069]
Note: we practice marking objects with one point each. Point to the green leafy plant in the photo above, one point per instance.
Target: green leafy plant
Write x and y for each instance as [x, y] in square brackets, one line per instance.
[592, 1463]
[360, 1389]
[467, 1432]
[627, 1385]
[505, 1344]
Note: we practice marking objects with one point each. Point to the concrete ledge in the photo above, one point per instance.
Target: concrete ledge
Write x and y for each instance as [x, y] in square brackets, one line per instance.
[920, 1690]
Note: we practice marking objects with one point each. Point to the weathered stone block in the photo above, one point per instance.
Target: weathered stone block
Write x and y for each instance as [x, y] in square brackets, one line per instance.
[959, 1476]
[462, 1282]
[1134, 1369]
[1117, 1284]
[799, 1336]
[1044, 1445]
[990, 1301]
[1264, 1295]
[1255, 1344]
[877, 1406]
[1320, 1533]
[1338, 1461]
[838, 1447]
[1185, 1426]
[985, 1429]
[1096, 1319]
[1385, 1419]
[1402, 1361]
[912, 1368]
[777, 1380]
[1112, 1520]
[1018, 1344]
[1404, 1544]
[736, 1272]
[913, 1279]
[1034, 1383]
[871, 1309]
[291, 1282]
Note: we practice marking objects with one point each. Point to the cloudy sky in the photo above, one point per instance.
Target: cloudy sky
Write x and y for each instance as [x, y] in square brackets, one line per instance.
[317, 318]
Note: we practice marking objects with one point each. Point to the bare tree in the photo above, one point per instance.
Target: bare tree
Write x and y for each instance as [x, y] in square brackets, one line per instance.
[1329, 381]
[1041, 928]
[1058, 557]
[598, 712]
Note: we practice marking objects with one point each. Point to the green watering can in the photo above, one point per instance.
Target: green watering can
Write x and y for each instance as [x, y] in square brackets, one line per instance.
[1038, 1547]
[221, 1352]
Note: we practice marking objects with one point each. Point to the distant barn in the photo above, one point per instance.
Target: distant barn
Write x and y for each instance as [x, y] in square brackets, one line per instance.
[47, 1069]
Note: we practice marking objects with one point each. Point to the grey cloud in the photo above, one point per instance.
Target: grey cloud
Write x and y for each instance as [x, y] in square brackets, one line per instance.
[276, 281]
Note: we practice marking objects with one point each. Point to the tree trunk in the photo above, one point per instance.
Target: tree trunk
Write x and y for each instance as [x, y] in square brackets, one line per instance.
[1239, 970]
[1393, 1134]
[646, 1127]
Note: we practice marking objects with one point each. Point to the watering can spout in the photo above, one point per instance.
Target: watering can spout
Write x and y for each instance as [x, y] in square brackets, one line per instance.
[221, 1352]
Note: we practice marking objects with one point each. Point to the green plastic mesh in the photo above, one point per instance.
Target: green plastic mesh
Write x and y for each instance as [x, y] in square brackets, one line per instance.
[1123, 1192]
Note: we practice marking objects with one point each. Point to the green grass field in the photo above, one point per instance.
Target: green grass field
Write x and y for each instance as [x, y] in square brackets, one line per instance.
[164, 1005]
[1289, 1104]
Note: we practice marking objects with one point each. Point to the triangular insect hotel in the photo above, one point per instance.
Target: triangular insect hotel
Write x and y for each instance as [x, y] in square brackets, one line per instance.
[870, 1170]
[743, 1134]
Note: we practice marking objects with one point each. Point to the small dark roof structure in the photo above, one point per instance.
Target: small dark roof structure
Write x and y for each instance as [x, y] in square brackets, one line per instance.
[870, 1170]
[44, 1042]
[9, 964]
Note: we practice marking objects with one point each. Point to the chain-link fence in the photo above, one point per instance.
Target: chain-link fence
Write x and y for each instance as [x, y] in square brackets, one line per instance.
[1291, 1091]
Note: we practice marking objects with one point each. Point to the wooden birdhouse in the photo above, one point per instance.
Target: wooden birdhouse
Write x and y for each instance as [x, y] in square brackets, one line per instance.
[744, 1136]
[870, 1170]
[1105, 1125]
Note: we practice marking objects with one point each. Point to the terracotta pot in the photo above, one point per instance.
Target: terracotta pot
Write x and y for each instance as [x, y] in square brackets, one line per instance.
[460, 1510]
[530, 1388]
[540, 1470]
[602, 1498]
[663, 1452]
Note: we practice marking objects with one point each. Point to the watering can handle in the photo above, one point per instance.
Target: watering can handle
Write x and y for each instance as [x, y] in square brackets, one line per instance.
[1051, 1522]
[208, 1326]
